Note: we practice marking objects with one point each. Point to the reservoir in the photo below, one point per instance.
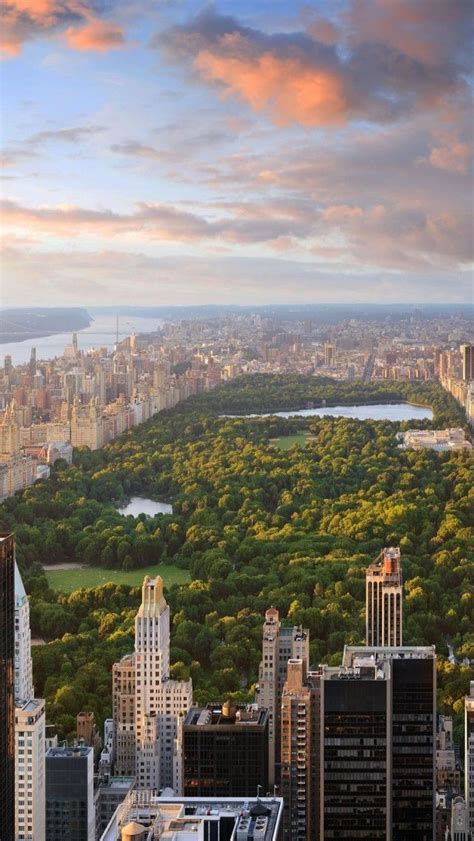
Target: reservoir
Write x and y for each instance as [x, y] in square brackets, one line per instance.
[139, 505]
[379, 411]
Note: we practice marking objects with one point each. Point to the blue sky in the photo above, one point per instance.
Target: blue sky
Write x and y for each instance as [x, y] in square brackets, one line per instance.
[178, 152]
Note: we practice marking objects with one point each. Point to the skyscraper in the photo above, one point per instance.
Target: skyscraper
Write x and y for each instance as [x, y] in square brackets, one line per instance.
[467, 361]
[225, 751]
[23, 662]
[158, 704]
[123, 707]
[377, 759]
[300, 736]
[70, 812]
[469, 755]
[29, 730]
[7, 687]
[384, 589]
[279, 644]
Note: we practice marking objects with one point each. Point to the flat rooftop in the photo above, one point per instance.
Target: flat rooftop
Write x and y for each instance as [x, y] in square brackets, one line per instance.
[216, 715]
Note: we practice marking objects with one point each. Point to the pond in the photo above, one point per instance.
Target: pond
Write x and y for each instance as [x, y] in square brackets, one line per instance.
[379, 411]
[140, 505]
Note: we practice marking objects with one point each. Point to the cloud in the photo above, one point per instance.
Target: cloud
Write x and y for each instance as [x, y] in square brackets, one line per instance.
[86, 277]
[95, 35]
[74, 134]
[450, 153]
[378, 70]
[24, 20]
[400, 236]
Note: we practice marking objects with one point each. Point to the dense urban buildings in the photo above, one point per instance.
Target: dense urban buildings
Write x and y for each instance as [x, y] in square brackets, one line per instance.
[279, 645]
[384, 600]
[88, 397]
[225, 751]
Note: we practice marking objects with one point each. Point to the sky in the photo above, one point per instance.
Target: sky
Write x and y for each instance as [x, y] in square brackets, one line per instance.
[175, 152]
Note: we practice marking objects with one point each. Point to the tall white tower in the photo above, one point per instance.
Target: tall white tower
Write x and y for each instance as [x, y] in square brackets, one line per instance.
[23, 662]
[29, 730]
[159, 701]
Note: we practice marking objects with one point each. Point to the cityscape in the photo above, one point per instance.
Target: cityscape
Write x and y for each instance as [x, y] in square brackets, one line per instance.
[236, 420]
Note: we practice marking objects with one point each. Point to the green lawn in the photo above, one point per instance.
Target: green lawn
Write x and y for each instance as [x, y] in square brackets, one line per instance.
[67, 580]
[284, 442]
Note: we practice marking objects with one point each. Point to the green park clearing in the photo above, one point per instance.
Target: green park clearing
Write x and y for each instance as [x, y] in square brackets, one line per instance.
[285, 442]
[67, 580]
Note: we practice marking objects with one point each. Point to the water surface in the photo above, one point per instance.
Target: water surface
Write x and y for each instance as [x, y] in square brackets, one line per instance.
[378, 411]
[140, 505]
[100, 333]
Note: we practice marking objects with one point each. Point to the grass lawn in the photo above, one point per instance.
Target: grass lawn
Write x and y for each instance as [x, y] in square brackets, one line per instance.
[285, 442]
[67, 580]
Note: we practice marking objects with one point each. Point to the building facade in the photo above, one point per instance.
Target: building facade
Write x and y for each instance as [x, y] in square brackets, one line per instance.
[225, 751]
[469, 755]
[279, 644]
[123, 711]
[7, 686]
[377, 760]
[384, 591]
[142, 686]
[300, 737]
[70, 812]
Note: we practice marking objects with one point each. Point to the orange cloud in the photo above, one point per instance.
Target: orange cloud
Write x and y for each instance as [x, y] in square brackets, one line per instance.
[284, 86]
[96, 35]
[23, 20]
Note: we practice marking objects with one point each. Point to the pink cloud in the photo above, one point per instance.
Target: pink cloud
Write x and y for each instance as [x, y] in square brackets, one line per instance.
[96, 35]
[23, 20]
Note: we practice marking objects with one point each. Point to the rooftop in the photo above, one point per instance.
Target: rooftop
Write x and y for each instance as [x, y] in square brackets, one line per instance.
[184, 818]
[227, 715]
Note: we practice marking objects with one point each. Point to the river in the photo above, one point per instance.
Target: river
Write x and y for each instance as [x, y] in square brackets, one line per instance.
[101, 333]
[378, 411]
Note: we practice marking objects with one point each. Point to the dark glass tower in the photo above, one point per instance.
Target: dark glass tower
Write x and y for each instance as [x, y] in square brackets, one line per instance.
[7, 687]
[225, 751]
[378, 745]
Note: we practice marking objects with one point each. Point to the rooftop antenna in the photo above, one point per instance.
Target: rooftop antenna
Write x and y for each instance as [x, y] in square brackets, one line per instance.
[117, 331]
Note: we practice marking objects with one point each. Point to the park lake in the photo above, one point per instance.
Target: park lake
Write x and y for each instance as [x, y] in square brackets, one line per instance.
[377, 411]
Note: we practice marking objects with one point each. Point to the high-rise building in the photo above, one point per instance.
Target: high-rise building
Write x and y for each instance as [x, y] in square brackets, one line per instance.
[448, 775]
[70, 812]
[7, 687]
[159, 703]
[300, 736]
[279, 644]
[329, 354]
[29, 730]
[469, 755]
[225, 751]
[23, 662]
[123, 710]
[378, 745]
[30, 770]
[384, 590]
[467, 361]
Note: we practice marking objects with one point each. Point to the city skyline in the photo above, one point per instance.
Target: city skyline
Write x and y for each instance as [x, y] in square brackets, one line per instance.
[236, 154]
